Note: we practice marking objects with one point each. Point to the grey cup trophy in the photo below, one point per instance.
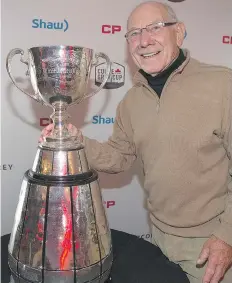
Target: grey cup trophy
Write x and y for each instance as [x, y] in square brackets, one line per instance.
[60, 231]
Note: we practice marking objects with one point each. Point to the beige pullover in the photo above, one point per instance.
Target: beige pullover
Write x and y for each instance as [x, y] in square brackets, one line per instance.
[184, 140]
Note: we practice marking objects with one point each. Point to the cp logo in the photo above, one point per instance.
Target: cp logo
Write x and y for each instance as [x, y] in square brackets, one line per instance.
[111, 29]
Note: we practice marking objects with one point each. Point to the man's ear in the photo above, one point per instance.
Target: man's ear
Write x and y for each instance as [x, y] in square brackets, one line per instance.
[180, 33]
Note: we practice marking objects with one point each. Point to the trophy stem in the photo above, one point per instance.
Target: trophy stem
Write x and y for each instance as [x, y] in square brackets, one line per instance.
[61, 137]
[60, 118]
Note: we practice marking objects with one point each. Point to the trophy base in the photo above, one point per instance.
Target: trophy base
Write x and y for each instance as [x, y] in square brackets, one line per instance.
[17, 279]
[61, 233]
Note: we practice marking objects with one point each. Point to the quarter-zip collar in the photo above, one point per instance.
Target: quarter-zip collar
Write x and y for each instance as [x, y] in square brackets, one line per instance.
[157, 82]
[139, 78]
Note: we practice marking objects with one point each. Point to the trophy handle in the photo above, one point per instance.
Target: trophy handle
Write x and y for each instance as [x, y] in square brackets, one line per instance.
[9, 58]
[108, 69]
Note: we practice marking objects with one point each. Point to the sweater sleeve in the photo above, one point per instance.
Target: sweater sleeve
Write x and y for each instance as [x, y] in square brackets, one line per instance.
[225, 229]
[118, 153]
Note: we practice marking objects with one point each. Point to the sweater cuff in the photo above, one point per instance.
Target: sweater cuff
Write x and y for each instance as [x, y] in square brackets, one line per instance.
[224, 233]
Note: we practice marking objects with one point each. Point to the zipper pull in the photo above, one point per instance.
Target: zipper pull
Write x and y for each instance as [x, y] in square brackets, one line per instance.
[158, 106]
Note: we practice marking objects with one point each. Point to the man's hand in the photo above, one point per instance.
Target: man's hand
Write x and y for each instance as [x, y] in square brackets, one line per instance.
[48, 130]
[219, 257]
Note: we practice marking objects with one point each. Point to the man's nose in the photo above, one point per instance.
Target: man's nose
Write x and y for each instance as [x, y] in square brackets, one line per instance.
[145, 38]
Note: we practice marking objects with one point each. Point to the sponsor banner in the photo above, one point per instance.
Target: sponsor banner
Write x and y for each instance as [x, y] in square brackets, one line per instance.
[29, 24]
[146, 237]
[96, 119]
[50, 25]
[6, 167]
[227, 39]
[109, 203]
[111, 29]
[101, 120]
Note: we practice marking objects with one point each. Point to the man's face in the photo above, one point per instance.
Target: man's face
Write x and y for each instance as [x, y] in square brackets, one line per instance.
[154, 51]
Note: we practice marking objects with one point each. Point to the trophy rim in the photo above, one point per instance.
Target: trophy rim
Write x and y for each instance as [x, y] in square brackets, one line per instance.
[75, 48]
[60, 46]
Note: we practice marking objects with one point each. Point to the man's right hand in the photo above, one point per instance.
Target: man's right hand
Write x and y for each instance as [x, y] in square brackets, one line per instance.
[48, 130]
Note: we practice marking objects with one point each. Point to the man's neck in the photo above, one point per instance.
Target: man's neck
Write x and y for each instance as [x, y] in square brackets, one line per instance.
[174, 59]
[158, 81]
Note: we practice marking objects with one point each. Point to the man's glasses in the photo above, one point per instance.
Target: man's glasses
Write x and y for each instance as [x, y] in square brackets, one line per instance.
[153, 29]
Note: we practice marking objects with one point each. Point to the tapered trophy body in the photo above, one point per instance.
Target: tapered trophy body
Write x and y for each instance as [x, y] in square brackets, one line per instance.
[60, 232]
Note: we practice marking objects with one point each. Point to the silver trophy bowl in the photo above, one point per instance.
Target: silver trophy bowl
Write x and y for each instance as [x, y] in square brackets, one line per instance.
[59, 76]
[60, 232]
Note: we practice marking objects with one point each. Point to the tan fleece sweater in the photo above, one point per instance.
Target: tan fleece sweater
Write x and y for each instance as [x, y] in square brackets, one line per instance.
[184, 140]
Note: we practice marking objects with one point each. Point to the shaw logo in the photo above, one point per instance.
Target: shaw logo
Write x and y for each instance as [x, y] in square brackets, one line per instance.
[116, 78]
[111, 29]
[6, 167]
[102, 120]
[39, 23]
[109, 203]
[227, 39]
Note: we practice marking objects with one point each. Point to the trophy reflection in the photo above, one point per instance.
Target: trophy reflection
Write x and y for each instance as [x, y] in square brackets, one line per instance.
[60, 231]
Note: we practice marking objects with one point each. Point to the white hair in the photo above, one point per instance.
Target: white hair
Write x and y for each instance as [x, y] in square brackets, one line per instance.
[171, 14]
[169, 10]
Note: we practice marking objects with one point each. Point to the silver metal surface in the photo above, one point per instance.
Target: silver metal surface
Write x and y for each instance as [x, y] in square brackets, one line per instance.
[36, 163]
[13, 263]
[29, 273]
[88, 273]
[58, 71]
[77, 162]
[107, 262]
[15, 237]
[60, 232]
[31, 243]
[85, 233]
[105, 276]
[66, 276]
[83, 160]
[45, 162]
[104, 237]
[60, 163]
[59, 76]
[59, 236]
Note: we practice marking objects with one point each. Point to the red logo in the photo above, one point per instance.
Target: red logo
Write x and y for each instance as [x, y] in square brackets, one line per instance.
[109, 203]
[44, 122]
[227, 39]
[111, 29]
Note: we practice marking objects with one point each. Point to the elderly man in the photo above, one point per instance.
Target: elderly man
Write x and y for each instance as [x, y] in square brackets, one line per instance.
[177, 120]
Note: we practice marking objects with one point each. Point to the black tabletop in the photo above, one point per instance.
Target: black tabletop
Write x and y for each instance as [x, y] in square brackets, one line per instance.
[135, 261]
